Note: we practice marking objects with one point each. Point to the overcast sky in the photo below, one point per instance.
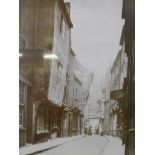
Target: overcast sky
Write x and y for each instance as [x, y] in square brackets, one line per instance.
[96, 32]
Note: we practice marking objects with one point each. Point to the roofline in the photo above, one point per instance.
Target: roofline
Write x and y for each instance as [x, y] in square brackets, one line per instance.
[122, 36]
[62, 3]
[116, 60]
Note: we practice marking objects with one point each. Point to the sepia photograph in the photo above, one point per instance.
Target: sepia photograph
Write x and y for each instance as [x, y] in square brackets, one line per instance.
[76, 77]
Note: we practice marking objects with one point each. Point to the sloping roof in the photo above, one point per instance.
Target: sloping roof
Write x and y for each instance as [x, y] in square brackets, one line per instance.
[116, 60]
[122, 36]
[64, 8]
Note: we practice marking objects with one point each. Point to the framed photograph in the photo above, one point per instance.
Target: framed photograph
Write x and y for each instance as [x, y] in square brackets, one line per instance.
[77, 77]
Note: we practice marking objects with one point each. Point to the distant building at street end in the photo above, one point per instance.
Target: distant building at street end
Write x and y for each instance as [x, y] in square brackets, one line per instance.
[107, 102]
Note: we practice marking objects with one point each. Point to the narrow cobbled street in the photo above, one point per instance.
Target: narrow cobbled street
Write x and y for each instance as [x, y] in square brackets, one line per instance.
[89, 145]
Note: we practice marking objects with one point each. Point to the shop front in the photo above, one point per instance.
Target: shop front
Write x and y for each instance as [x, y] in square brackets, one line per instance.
[119, 97]
[75, 122]
[47, 123]
[66, 124]
[25, 108]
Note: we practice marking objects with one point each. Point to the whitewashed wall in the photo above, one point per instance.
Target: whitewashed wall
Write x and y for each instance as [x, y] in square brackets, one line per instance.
[61, 47]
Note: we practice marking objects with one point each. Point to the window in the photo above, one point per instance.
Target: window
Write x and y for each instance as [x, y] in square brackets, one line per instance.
[59, 73]
[74, 123]
[21, 93]
[21, 102]
[42, 120]
[62, 27]
[21, 115]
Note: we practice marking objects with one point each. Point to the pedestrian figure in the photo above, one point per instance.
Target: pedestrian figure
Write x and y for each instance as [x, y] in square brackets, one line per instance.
[90, 130]
[85, 130]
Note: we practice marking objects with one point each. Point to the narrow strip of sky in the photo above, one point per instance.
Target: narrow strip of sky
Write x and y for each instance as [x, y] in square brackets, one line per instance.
[96, 32]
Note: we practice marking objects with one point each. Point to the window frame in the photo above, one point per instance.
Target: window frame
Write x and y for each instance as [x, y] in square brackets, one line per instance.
[22, 100]
[62, 27]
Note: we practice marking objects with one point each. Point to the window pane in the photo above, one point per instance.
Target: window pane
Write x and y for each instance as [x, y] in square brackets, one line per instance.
[21, 114]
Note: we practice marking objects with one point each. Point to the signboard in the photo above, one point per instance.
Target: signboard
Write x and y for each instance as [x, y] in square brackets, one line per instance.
[116, 94]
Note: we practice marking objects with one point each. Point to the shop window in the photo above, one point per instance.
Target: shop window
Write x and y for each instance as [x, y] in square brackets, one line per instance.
[74, 123]
[40, 122]
[55, 121]
[65, 121]
[47, 121]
